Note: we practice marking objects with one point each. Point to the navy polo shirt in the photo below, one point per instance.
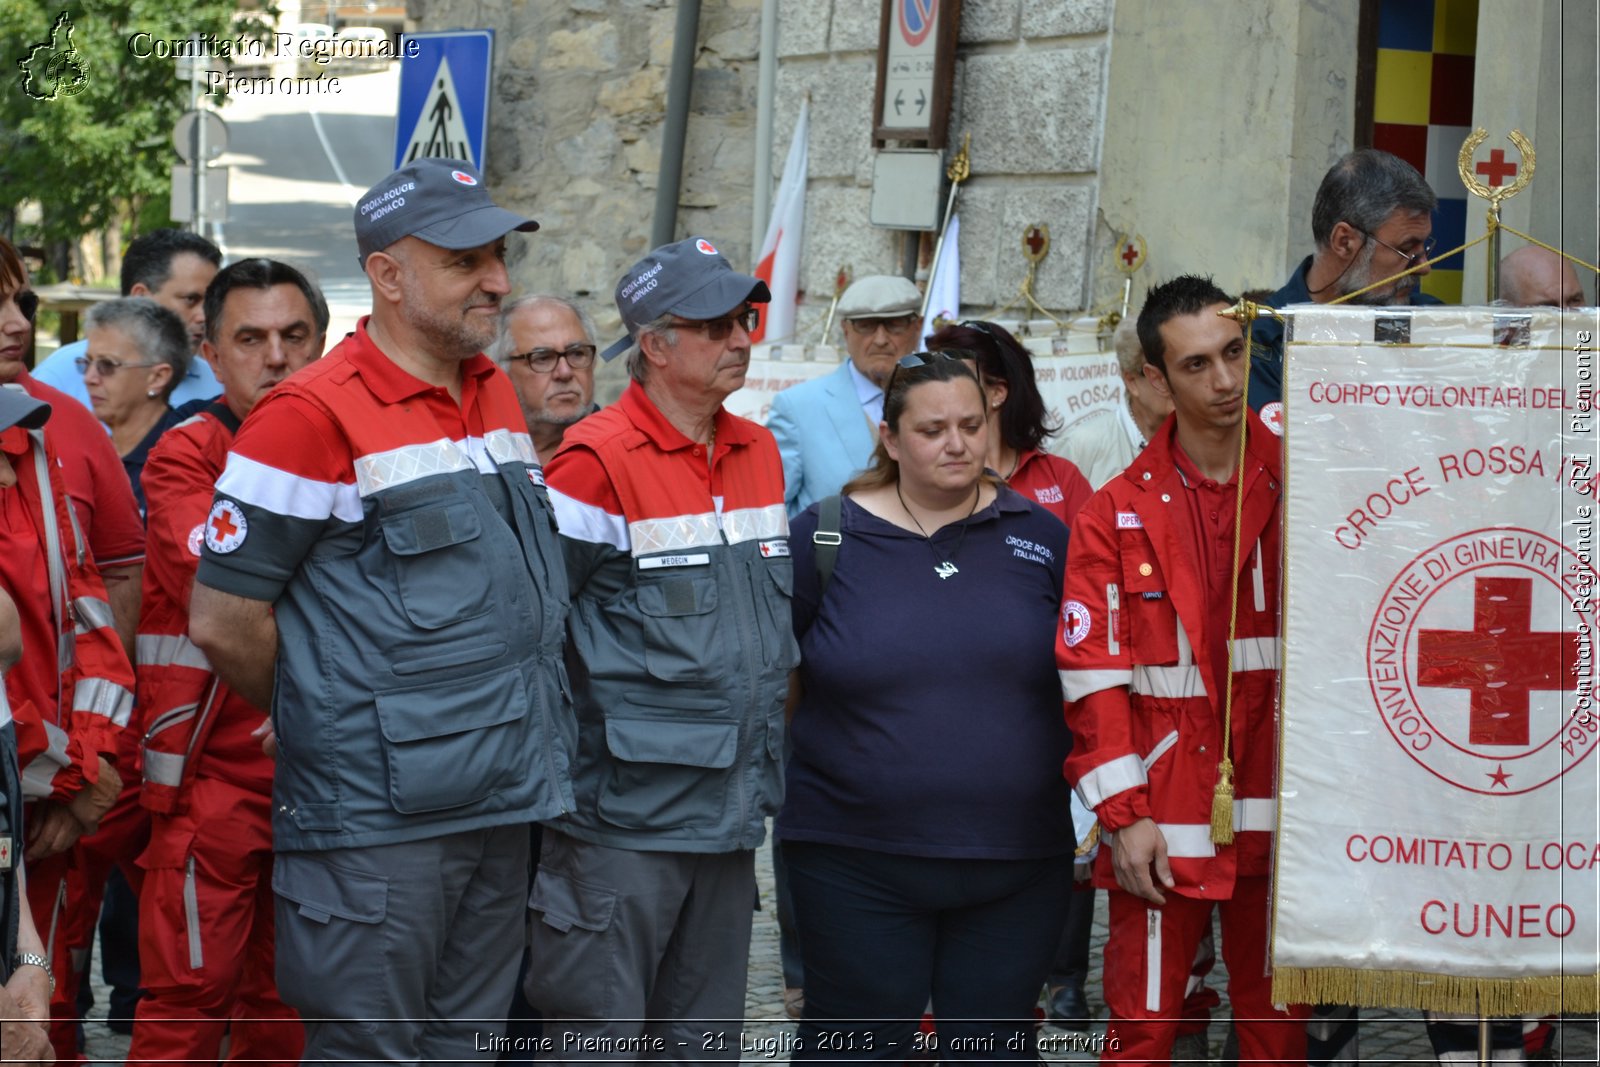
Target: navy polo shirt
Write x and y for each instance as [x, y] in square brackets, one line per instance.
[931, 720]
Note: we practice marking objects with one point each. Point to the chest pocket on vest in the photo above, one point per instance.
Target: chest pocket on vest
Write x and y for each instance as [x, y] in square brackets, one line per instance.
[1152, 621]
[774, 581]
[440, 563]
[680, 627]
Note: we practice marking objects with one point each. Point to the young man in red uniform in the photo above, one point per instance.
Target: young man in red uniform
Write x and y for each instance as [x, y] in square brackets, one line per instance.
[205, 913]
[1154, 570]
[72, 692]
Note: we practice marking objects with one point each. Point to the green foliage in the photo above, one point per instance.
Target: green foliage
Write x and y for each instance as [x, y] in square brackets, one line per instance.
[101, 148]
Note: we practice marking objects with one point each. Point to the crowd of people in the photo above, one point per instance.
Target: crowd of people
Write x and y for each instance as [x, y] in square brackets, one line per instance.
[366, 699]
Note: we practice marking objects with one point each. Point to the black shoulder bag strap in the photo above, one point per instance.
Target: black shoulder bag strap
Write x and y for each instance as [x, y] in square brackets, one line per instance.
[827, 539]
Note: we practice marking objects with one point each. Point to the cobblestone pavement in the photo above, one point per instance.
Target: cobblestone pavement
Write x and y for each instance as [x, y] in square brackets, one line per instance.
[1386, 1036]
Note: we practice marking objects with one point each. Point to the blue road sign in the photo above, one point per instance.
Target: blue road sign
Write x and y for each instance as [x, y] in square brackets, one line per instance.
[444, 96]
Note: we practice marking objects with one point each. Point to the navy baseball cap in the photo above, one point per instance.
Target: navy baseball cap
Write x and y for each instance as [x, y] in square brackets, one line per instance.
[17, 408]
[689, 279]
[441, 201]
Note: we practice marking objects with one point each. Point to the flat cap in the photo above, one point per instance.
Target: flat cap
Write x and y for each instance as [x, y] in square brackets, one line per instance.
[880, 295]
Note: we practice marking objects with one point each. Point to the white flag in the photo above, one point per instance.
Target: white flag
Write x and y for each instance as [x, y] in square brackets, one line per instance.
[944, 287]
[779, 262]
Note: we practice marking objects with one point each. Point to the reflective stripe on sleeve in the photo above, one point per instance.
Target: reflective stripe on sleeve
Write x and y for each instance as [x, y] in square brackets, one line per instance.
[38, 775]
[1111, 778]
[163, 768]
[99, 696]
[170, 650]
[1255, 654]
[1075, 685]
[91, 613]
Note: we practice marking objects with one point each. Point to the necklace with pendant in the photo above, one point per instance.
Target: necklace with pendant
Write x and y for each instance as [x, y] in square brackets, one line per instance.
[944, 567]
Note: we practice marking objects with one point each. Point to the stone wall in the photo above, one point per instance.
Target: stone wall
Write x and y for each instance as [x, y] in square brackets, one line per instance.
[579, 99]
[1029, 87]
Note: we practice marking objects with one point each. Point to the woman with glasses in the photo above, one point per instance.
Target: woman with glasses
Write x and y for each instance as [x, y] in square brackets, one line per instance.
[926, 827]
[138, 353]
[1018, 421]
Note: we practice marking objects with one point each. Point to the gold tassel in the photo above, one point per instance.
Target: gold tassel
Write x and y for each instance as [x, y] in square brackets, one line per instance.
[1222, 805]
[1492, 997]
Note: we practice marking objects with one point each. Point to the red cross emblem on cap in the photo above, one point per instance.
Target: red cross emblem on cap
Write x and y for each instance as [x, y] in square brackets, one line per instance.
[463, 177]
[705, 247]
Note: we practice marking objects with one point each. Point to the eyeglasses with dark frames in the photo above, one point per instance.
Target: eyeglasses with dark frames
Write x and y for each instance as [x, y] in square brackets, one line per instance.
[104, 367]
[867, 325]
[543, 360]
[1411, 259]
[719, 329]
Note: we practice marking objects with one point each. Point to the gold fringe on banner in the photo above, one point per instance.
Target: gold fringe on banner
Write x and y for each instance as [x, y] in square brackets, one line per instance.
[1487, 997]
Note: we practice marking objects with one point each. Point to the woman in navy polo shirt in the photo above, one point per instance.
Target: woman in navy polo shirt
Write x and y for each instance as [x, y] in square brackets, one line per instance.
[926, 827]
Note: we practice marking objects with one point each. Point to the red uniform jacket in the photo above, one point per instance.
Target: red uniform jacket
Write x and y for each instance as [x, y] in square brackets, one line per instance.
[73, 692]
[1136, 657]
[187, 717]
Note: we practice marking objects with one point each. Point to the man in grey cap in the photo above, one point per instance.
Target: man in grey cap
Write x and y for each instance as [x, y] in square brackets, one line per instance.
[679, 651]
[826, 427]
[380, 570]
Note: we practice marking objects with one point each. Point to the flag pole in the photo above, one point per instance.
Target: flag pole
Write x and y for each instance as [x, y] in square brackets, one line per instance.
[958, 172]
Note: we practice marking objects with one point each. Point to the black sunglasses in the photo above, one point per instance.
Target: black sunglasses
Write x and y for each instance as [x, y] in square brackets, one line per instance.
[27, 302]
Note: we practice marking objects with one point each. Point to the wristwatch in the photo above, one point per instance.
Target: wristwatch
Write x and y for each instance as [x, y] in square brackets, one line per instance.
[33, 959]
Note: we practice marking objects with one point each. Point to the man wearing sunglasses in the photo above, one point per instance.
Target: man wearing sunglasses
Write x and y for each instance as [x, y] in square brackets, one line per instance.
[680, 646]
[826, 427]
[1372, 219]
[546, 345]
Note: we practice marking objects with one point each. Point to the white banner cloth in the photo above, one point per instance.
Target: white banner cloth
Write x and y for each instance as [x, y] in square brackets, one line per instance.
[1438, 838]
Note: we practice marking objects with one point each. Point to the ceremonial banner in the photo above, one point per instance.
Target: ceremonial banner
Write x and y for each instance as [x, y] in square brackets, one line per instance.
[944, 285]
[1075, 378]
[779, 262]
[1438, 838]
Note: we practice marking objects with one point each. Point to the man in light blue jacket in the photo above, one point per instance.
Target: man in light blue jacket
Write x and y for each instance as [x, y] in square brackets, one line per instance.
[826, 428]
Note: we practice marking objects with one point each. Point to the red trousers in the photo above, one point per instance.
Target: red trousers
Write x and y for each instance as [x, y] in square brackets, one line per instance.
[1148, 958]
[206, 936]
[65, 891]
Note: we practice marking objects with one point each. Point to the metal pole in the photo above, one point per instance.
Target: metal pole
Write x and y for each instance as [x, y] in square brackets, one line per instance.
[1491, 277]
[197, 146]
[685, 42]
[766, 94]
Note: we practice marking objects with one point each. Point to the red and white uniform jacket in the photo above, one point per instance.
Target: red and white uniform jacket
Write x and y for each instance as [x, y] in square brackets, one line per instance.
[190, 722]
[1139, 649]
[72, 693]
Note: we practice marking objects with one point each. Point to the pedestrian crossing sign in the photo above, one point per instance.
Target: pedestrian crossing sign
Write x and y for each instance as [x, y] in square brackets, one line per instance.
[443, 111]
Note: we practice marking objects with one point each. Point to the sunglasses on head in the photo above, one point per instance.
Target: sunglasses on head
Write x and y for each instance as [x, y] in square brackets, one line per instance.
[918, 360]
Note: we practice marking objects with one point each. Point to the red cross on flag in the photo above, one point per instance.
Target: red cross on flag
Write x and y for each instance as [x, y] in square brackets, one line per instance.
[1439, 723]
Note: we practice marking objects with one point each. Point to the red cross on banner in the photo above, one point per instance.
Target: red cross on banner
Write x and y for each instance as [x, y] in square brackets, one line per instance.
[1500, 660]
[1496, 168]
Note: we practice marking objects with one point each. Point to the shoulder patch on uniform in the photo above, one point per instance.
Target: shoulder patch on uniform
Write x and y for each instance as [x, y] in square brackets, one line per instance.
[225, 527]
[1272, 416]
[1128, 520]
[777, 547]
[536, 476]
[197, 537]
[1050, 494]
[1074, 622]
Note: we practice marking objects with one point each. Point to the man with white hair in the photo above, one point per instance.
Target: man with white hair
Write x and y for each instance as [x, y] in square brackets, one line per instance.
[826, 427]
[546, 345]
[1104, 443]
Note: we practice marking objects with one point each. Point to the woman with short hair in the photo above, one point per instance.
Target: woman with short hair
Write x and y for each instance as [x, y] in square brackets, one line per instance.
[138, 354]
[926, 826]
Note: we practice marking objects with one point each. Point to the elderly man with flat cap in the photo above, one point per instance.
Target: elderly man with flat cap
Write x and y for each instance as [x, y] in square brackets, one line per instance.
[680, 647]
[380, 570]
[826, 427]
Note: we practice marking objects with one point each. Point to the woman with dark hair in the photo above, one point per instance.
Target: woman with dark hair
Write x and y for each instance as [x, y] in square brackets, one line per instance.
[1018, 420]
[926, 826]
